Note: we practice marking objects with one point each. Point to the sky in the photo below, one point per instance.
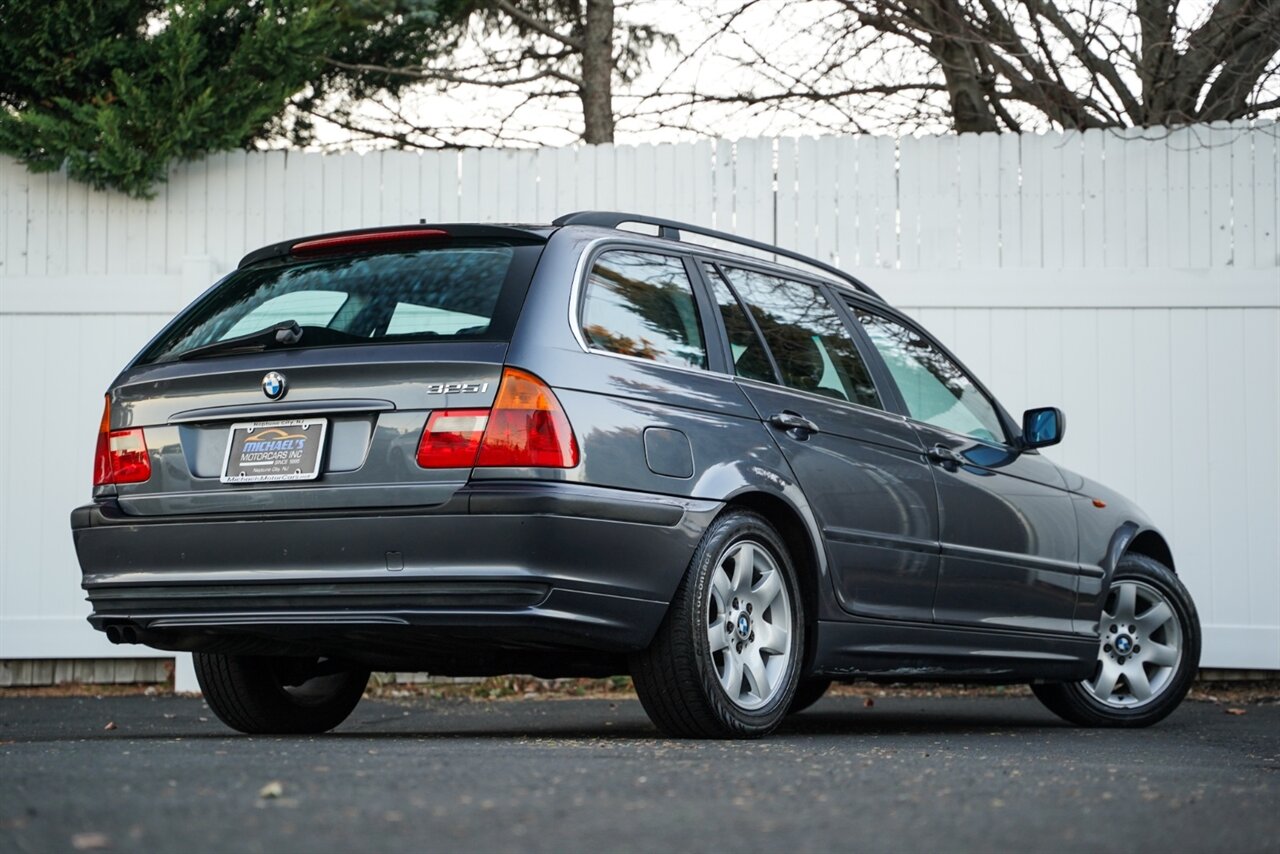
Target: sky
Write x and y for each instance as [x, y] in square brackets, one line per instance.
[773, 33]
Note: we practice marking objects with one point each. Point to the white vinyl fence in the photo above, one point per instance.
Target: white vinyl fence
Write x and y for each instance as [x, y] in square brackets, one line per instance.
[1133, 280]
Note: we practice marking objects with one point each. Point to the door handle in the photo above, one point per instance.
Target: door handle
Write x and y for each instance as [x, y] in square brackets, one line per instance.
[793, 423]
[946, 456]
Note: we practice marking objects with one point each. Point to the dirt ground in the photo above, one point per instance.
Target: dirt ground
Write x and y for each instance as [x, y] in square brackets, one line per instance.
[1225, 693]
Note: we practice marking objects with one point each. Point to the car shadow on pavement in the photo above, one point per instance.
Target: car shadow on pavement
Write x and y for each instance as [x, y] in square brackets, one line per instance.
[538, 720]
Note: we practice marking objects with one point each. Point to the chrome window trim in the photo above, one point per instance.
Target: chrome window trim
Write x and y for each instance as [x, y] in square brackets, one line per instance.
[695, 251]
[577, 293]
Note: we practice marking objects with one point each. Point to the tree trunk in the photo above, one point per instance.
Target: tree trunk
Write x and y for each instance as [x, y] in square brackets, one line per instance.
[955, 52]
[596, 91]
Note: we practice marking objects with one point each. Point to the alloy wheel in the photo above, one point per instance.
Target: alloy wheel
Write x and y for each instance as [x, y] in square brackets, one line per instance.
[1140, 646]
[749, 624]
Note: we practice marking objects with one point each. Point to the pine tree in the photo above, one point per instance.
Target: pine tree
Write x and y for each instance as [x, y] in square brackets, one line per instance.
[115, 90]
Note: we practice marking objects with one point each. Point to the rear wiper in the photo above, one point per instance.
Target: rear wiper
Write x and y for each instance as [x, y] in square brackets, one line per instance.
[283, 334]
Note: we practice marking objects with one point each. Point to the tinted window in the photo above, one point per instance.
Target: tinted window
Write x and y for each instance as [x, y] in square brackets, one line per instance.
[411, 295]
[749, 357]
[807, 338]
[641, 304]
[934, 388]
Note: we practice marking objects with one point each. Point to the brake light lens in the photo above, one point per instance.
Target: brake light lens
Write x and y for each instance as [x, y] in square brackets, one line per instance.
[526, 427]
[121, 455]
[452, 438]
[356, 241]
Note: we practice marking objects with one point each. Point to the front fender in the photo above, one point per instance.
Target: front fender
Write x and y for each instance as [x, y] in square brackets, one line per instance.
[1109, 524]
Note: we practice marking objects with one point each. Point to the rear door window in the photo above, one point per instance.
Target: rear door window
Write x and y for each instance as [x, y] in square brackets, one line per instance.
[463, 289]
[809, 341]
[750, 359]
[641, 304]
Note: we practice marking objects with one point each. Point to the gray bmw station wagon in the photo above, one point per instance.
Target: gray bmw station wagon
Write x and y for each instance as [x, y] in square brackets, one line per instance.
[729, 470]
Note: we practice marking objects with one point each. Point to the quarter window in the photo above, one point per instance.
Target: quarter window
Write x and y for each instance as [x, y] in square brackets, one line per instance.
[641, 304]
[808, 340]
[934, 388]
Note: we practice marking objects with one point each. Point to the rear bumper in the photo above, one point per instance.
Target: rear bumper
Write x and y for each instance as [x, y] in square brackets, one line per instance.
[505, 566]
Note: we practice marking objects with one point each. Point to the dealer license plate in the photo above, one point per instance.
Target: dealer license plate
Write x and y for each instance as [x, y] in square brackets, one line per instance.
[259, 451]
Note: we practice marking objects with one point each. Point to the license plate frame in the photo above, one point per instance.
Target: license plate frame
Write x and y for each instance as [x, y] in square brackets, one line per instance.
[279, 460]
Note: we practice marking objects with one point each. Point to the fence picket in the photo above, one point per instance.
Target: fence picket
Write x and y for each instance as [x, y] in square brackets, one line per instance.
[1242, 189]
[1010, 201]
[1266, 197]
[1220, 138]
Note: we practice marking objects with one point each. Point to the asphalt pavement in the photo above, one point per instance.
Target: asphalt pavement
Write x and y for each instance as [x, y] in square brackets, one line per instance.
[909, 774]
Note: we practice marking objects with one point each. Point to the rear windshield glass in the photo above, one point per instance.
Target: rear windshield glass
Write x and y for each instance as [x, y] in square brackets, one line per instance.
[462, 291]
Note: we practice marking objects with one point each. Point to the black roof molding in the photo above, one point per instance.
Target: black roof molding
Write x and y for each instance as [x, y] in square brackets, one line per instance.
[671, 229]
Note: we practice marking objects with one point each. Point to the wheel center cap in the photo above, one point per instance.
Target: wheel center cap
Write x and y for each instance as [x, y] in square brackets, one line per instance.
[1124, 644]
[744, 625]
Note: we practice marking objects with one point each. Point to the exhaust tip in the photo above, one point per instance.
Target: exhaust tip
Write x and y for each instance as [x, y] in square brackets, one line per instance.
[121, 634]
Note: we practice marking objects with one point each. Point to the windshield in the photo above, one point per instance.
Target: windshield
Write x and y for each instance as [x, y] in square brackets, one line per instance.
[459, 291]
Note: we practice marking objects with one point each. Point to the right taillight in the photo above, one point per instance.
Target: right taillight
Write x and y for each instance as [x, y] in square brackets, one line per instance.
[121, 455]
[526, 427]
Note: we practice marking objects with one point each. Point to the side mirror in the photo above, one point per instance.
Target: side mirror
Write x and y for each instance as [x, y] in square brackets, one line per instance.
[1042, 427]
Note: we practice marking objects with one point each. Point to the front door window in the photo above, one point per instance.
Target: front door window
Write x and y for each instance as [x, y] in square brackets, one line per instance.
[934, 388]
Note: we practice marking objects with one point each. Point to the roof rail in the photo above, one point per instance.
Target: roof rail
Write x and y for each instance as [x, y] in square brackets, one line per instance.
[670, 229]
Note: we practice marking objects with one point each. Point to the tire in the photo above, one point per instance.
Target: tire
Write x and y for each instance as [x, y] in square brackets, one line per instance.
[686, 678]
[1163, 676]
[265, 695]
[808, 692]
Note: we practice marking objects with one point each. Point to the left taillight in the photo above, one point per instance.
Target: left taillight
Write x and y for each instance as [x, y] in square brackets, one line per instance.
[121, 455]
[451, 439]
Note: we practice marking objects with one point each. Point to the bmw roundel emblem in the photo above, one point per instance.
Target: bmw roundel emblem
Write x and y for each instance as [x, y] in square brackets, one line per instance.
[273, 385]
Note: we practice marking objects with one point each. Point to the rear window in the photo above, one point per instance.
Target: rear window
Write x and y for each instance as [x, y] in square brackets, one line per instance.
[461, 291]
